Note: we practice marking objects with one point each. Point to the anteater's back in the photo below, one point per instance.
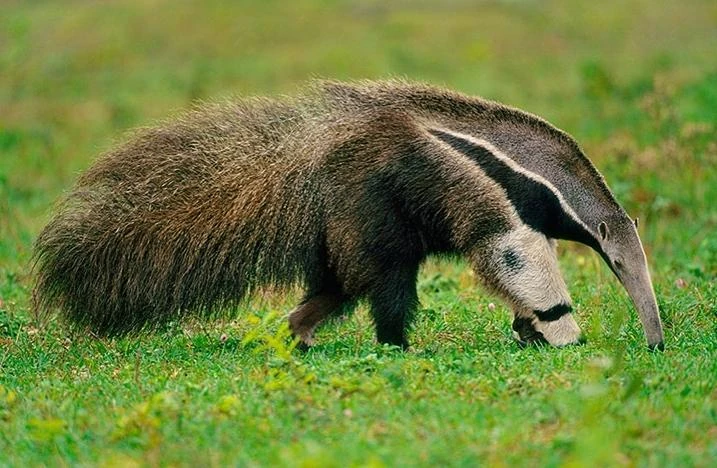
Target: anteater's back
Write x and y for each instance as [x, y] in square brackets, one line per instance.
[187, 216]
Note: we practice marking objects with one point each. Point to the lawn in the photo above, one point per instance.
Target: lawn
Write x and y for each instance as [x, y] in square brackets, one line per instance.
[634, 81]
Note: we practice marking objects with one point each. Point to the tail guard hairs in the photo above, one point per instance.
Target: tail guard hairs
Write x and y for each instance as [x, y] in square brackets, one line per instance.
[344, 191]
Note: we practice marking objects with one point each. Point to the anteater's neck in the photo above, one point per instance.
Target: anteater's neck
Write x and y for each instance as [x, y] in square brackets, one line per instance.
[539, 203]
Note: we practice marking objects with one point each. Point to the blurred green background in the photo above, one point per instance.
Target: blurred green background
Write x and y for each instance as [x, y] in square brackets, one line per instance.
[634, 81]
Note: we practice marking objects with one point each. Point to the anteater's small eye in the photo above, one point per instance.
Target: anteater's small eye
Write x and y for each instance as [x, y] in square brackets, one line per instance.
[618, 264]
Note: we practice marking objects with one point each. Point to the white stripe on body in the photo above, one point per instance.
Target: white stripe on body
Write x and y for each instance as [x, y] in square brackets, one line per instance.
[488, 146]
[538, 284]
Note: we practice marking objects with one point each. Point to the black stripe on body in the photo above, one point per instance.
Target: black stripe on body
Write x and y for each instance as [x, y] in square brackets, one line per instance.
[554, 313]
[536, 204]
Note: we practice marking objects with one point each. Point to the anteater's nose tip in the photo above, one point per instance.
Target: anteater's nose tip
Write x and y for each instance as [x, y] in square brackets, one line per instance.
[659, 346]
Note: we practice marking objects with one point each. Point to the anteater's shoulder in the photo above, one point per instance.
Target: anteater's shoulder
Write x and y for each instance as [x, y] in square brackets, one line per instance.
[432, 103]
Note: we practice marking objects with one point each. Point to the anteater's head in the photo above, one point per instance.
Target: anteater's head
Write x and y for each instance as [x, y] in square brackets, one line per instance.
[623, 251]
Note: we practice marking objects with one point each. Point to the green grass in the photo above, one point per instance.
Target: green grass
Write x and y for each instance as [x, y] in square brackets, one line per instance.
[634, 82]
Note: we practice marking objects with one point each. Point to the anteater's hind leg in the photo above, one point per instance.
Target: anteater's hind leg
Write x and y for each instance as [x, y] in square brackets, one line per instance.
[376, 253]
[322, 300]
[392, 297]
[522, 266]
[304, 320]
[393, 300]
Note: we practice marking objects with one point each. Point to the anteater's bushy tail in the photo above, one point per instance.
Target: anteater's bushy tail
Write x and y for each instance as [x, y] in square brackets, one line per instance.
[187, 217]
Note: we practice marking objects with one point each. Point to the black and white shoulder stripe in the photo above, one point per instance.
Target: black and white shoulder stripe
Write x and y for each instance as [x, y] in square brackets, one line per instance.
[539, 203]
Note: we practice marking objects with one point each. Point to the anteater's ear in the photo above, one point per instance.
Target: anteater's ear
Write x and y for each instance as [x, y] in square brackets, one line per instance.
[602, 228]
[637, 222]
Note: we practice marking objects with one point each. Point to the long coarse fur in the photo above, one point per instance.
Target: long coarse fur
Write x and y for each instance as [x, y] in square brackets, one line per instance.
[188, 216]
[343, 190]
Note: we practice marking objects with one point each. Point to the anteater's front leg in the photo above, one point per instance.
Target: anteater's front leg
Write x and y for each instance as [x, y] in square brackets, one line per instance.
[522, 266]
[524, 331]
[557, 330]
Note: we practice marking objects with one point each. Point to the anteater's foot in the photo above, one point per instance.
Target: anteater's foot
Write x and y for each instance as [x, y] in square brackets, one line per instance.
[304, 320]
[525, 333]
[402, 343]
[561, 332]
[302, 328]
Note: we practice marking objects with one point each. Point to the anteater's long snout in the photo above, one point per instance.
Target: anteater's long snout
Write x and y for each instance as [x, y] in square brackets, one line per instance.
[639, 287]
